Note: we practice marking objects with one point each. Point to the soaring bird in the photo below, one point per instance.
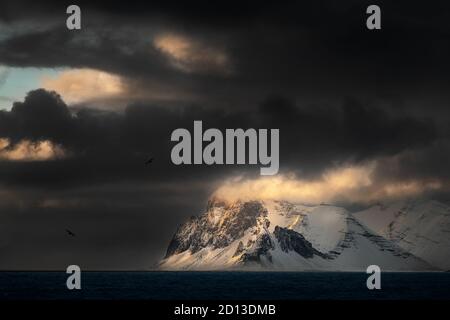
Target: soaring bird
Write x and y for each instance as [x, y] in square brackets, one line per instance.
[70, 233]
[149, 161]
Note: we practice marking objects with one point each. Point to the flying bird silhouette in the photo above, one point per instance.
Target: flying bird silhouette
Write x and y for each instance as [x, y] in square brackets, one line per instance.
[149, 161]
[70, 233]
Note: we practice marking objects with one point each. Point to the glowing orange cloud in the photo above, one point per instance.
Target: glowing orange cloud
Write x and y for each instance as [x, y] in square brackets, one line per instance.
[79, 85]
[190, 55]
[355, 184]
[30, 151]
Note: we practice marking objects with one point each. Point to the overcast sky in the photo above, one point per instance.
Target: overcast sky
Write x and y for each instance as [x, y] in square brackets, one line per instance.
[363, 115]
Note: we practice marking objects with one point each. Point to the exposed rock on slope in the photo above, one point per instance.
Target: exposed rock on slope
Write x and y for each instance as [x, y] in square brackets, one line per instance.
[277, 235]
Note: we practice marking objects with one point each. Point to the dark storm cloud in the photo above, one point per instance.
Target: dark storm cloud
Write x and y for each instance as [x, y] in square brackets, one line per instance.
[314, 138]
[108, 146]
[306, 51]
[104, 191]
[427, 162]
[124, 226]
[294, 65]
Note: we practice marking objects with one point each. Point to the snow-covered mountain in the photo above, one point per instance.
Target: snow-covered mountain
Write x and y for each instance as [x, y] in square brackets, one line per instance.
[278, 235]
[422, 228]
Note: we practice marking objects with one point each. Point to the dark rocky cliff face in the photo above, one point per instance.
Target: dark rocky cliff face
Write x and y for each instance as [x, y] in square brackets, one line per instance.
[224, 223]
[290, 240]
[262, 247]
[245, 234]
[218, 227]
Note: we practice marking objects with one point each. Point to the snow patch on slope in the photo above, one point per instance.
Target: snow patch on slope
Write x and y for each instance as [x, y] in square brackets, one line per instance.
[420, 227]
[278, 235]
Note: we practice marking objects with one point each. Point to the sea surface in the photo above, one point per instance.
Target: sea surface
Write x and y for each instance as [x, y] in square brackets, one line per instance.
[224, 285]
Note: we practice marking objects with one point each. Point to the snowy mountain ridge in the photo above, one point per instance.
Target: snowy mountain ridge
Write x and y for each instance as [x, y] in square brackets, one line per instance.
[421, 228]
[278, 235]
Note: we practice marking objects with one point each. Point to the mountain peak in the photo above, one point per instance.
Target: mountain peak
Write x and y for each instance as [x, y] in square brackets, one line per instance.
[279, 235]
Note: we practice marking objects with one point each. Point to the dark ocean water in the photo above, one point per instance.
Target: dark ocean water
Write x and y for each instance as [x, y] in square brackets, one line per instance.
[224, 285]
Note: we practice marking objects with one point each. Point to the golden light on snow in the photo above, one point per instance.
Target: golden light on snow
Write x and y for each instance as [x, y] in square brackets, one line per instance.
[346, 183]
[190, 55]
[79, 85]
[30, 151]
